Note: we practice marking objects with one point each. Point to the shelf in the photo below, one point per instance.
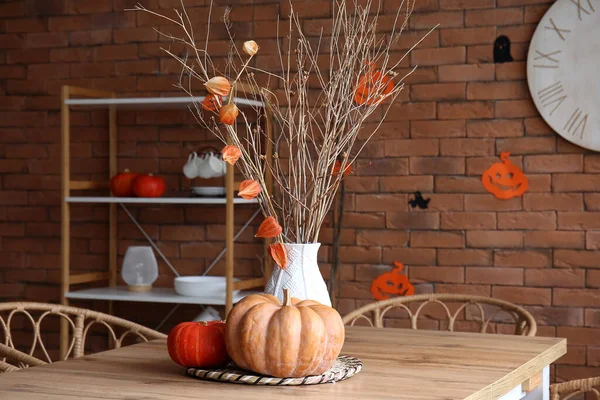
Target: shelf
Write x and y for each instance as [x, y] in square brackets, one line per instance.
[153, 101]
[157, 200]
[157, 295]
[87, 99]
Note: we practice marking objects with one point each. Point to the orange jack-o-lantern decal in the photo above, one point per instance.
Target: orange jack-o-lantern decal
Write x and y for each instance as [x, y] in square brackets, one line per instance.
[504, 180]
[392, 283]
[373, 87]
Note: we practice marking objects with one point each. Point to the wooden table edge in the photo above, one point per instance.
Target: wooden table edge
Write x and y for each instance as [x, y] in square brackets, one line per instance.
[521, 374]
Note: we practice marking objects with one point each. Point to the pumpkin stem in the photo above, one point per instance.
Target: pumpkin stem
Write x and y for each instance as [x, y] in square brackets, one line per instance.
[504, 156]
[203, 323]
[287, 299]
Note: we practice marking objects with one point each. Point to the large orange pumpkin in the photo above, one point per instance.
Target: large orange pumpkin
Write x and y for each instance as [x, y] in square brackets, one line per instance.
[293, 339]
[198, 344]
[505, 180]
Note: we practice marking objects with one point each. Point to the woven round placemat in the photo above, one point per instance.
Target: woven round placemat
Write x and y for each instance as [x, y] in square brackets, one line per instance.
[344, 367]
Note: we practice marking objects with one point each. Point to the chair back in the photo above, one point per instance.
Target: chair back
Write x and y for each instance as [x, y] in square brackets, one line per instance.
[475, 308]
[42, 321]
[566, 390]
[13, 360]
[6, 367]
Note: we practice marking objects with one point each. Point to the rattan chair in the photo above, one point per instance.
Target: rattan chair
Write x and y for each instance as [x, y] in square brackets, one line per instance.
[524, 321]
[13, 360]
[33, 317]
[6, 367]
[566, 390]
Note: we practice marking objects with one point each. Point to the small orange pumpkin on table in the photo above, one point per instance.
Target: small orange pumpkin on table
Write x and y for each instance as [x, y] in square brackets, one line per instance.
[289, 340]
[198, 344]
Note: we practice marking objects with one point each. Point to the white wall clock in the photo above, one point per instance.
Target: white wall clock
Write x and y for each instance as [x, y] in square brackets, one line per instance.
[563, 68]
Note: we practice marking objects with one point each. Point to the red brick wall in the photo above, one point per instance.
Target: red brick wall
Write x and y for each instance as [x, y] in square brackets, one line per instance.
[459, 112]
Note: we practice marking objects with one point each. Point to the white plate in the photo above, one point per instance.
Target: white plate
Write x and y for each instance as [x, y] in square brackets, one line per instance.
[208, 190]
[201, 286]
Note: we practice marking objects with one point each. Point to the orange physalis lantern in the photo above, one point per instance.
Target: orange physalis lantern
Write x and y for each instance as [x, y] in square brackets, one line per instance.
[337, 166]
[372, 87]
[505, 180]
[392, 283]
[249, 189]
[231, 154]
[228, 113]
[211, 103]
[278, 252]
[218, 85]
[269, 228]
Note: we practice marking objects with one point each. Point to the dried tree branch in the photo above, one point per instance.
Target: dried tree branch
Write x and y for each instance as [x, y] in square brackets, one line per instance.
[316, 106]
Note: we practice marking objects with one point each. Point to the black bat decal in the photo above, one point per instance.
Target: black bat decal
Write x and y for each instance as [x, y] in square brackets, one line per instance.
[419, 201]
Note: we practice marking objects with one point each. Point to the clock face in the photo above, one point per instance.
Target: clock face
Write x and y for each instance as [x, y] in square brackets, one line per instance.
[563, 68]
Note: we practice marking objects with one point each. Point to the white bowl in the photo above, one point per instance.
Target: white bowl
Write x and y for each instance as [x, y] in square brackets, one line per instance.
[209, 190]
[195, 286]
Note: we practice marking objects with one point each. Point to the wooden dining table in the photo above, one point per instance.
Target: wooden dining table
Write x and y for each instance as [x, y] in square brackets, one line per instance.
[398, 364]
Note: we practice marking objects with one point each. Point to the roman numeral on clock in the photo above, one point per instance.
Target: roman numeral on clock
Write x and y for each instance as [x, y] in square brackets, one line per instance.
[546, 59]
[552, 94]
[577, 123]
[558, 31]
[582, 8]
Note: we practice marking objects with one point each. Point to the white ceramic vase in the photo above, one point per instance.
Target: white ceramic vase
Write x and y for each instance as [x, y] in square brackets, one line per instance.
[301, 276]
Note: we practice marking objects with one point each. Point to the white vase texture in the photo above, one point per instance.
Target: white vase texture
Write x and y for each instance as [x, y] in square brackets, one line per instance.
[301, 276]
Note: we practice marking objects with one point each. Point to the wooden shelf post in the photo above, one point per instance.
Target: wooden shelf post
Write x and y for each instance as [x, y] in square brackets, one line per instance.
[67, 185]
[65, 216]
[112, 212]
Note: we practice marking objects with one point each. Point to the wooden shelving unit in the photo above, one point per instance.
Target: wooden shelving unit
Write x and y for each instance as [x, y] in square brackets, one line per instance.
[157, 295]
[92, 98]
[156, 200]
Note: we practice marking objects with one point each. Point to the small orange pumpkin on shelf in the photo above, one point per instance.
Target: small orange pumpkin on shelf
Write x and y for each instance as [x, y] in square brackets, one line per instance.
[149, 186]
[198, 344]
[121, 185]
[392, 283]
[293, 339]
[504, 179]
